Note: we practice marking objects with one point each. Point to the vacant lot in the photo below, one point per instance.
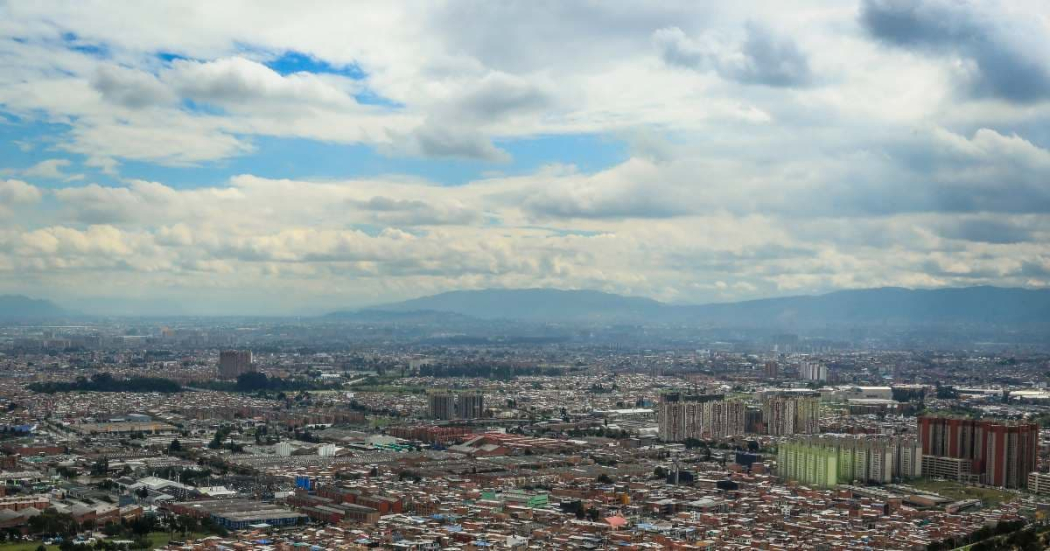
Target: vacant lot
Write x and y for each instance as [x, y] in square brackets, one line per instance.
[957, 491]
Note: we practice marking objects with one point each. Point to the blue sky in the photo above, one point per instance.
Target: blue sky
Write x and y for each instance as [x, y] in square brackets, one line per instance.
[294, 158]
[291, 159]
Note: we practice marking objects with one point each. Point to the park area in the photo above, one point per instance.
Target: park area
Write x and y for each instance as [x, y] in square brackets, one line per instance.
[958, 491]
[156, 541]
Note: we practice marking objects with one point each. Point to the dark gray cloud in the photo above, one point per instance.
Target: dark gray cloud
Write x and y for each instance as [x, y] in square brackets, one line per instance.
[438, 140]
[527, 36]
[998, 232]
[499, 95]
[771, 60]
[729, 262]
[934, 171]
[636, 201]
[412, 212]
[762, 58]
[131, 88]
[1009, 58]
[1035, 269]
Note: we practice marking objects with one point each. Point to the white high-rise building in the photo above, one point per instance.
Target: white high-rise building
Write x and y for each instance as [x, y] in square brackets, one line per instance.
[813, 371]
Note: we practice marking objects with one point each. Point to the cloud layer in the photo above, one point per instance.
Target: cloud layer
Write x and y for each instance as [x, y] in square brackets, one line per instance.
[757, 150]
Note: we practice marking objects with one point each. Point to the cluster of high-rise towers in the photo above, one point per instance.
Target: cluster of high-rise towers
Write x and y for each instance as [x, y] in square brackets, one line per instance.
[684, 416]
[448, 405]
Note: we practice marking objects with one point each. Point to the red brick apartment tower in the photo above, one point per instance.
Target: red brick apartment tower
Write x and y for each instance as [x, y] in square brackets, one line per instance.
[951, 437]
[1003, 453]
[1010, 452]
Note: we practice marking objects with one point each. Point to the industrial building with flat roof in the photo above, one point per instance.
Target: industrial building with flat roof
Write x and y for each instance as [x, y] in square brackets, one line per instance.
[238, 514]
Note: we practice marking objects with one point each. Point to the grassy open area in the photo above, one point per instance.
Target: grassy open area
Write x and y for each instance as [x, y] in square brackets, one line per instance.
[157, 540]
[958, 491]
[27, 546]
[391, 389]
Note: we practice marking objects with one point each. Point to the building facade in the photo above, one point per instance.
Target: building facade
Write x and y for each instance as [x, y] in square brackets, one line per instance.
[998, 453]
[828, 460]
[1039, 483]
[813, 371]
[470, 405]
[234, 363]
[446, 405]
[791, 413]
[683, 416]
[442, 404]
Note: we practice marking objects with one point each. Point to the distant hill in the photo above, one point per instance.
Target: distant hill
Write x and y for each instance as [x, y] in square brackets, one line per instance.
[20, 307]
[973, 305]
[534, 305]
[399, 316]
[889, 305]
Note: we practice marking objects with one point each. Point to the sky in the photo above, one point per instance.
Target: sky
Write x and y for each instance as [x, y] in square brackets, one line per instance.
[295, 158]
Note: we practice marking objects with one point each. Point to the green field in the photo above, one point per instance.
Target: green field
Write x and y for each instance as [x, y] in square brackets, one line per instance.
[28, 546]
[157, 540]
[958, 491]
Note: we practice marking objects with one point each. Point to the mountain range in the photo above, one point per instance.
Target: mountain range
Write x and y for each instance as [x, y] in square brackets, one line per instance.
[888, 305]
[22, 307]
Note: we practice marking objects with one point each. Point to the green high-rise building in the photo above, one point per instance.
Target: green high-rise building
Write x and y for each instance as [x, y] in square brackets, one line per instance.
[827, 460]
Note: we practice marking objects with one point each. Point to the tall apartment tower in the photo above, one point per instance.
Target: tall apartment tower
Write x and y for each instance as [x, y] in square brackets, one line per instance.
[442, 404]
[794, 413]
[680, 415]
[683, 416]
[998, 453]
[771, 369]
[827, 460]
[234, 363]
[470, 405]
[722, 418]
[807, 414]
[813, 371]
[778, 412]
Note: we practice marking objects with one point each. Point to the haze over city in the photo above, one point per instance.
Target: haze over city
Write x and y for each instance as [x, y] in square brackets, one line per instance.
[226, 158]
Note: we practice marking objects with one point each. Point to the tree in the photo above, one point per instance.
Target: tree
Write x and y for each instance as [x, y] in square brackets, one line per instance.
[220, 436]
[251, 381]
[100, 467]
[175, 446]
[143, 525]
[691, 443]
[51, 522]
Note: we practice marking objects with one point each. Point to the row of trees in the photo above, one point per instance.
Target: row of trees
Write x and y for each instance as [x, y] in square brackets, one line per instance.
[488, 371]
[1005, 535]
[258, 382]
[105, 382]
[54, 525]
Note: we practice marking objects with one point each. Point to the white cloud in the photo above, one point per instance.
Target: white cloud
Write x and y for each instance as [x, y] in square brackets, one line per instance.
[770, 150]
[236, 82]
[399, 238]
[51, 169]
[17, 192]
